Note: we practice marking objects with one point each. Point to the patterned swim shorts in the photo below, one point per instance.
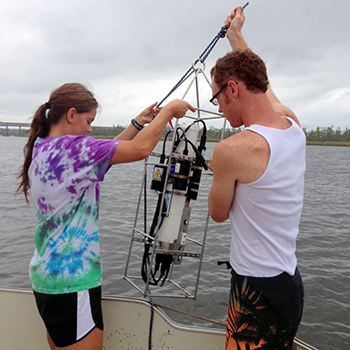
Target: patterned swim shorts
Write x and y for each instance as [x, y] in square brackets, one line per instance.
[264, 313]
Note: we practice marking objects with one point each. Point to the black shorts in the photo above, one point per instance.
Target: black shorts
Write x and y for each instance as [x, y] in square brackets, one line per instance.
[70, 317]
[264, 311]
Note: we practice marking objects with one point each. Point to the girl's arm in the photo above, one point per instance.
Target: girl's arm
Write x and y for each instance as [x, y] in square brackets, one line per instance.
[144, 142]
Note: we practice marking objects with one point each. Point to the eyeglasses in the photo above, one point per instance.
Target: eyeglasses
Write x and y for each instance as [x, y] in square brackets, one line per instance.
[214, 99]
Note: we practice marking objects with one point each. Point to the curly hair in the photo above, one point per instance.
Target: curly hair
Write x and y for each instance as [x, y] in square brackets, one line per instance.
[242, 65]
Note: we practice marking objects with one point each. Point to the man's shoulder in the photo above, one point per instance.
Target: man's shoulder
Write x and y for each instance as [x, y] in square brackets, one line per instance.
[242, 148]
[245, 154]
[238, 141]
[231, 148]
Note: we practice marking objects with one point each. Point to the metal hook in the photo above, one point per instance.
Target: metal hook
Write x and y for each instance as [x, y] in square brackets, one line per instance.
[195, 62]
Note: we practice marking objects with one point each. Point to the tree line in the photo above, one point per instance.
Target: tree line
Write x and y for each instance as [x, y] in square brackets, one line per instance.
[213, 134]
[328, 134]
[317, 135]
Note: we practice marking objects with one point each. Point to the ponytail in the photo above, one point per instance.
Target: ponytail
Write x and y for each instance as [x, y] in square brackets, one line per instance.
[70, 95]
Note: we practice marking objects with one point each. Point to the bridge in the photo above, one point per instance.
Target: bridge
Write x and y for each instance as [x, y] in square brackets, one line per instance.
[8, 125]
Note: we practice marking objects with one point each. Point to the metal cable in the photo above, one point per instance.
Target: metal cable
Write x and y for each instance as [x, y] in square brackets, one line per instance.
[151, 322]
[201, 59]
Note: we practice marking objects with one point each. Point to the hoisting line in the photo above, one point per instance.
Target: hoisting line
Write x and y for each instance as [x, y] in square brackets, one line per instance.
[201, 59]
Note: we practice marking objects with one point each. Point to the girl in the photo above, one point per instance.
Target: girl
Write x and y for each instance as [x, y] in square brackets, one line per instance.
[61, 172]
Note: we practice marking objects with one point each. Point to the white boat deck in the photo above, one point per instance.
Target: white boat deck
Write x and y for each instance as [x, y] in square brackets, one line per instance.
[126, 322]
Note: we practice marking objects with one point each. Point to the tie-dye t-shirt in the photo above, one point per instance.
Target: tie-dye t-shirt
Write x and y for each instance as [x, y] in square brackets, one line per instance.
[64, 186]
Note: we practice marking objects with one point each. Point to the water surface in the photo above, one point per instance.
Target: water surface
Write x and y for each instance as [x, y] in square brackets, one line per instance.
[323, 243]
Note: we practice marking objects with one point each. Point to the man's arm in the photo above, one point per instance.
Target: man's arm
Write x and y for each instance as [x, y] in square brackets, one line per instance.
[278, 107]
[234, 23]
[222, 190]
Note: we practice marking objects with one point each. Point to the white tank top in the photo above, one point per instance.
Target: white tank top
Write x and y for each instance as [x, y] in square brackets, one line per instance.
[265, 214]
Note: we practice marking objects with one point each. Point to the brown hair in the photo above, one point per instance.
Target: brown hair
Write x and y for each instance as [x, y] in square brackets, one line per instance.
[242, 65]
[70, 95]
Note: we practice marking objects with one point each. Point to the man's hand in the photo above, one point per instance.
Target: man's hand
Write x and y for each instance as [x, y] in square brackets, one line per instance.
[234, 22]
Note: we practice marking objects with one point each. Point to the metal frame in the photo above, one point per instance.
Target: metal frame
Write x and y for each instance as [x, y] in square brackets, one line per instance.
[141, 236]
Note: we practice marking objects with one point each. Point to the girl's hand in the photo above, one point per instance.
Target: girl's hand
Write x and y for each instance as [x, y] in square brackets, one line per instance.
[147, 114]
[177, 108]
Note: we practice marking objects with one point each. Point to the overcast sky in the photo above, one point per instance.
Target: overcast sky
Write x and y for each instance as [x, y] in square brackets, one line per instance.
[131, 53]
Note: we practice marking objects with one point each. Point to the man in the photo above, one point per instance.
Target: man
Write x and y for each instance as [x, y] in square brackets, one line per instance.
[258, 181]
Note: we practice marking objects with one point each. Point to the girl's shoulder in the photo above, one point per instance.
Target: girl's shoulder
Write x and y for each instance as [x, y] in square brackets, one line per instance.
[60, 141]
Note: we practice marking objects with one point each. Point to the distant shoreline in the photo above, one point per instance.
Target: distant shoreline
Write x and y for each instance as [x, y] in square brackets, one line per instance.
[328, 143]
[308, 143]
